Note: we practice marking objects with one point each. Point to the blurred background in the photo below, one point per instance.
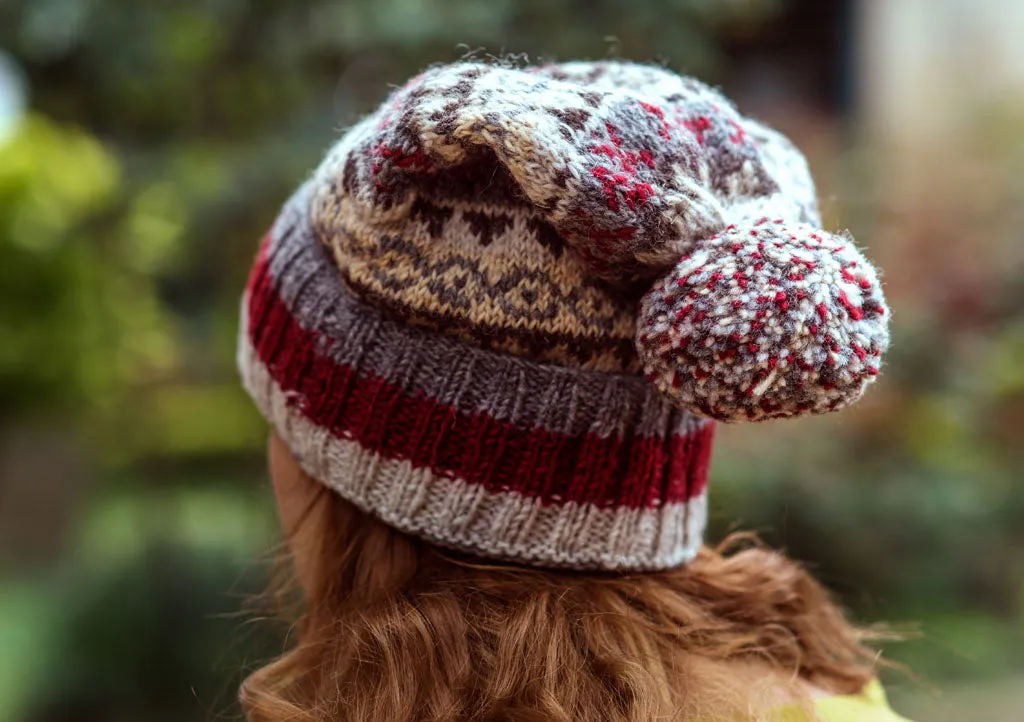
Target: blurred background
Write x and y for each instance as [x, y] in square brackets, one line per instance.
[146, 146]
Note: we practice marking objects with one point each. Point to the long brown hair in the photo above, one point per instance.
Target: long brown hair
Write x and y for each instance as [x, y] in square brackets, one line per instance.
[396, 629]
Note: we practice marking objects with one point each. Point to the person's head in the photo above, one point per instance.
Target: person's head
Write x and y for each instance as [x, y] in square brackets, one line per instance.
[493, 334]
[396, 628]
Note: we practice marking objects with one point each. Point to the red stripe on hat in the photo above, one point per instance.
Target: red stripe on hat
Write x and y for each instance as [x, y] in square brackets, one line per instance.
[619, 471]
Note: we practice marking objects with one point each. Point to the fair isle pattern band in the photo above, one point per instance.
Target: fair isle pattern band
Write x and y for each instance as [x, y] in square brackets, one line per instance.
[484, 452]
[488, 272]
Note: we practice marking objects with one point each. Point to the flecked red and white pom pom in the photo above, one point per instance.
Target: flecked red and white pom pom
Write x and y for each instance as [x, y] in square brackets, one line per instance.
[765, 321]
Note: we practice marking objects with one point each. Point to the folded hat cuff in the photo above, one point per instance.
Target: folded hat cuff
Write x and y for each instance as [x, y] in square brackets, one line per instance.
[488, 453]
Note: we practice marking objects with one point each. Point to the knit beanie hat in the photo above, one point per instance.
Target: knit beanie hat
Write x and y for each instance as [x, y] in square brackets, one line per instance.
[505, 312]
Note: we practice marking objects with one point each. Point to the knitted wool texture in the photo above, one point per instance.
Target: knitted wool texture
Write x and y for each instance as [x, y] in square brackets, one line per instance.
[450, 320]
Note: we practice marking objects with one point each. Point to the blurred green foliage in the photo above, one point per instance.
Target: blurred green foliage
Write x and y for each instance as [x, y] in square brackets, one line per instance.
[161, 138]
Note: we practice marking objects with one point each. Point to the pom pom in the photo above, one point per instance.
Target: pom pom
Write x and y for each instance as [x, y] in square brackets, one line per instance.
[764, 321]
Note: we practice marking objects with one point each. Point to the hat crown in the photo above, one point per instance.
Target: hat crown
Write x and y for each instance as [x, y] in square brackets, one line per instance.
[630, 164]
